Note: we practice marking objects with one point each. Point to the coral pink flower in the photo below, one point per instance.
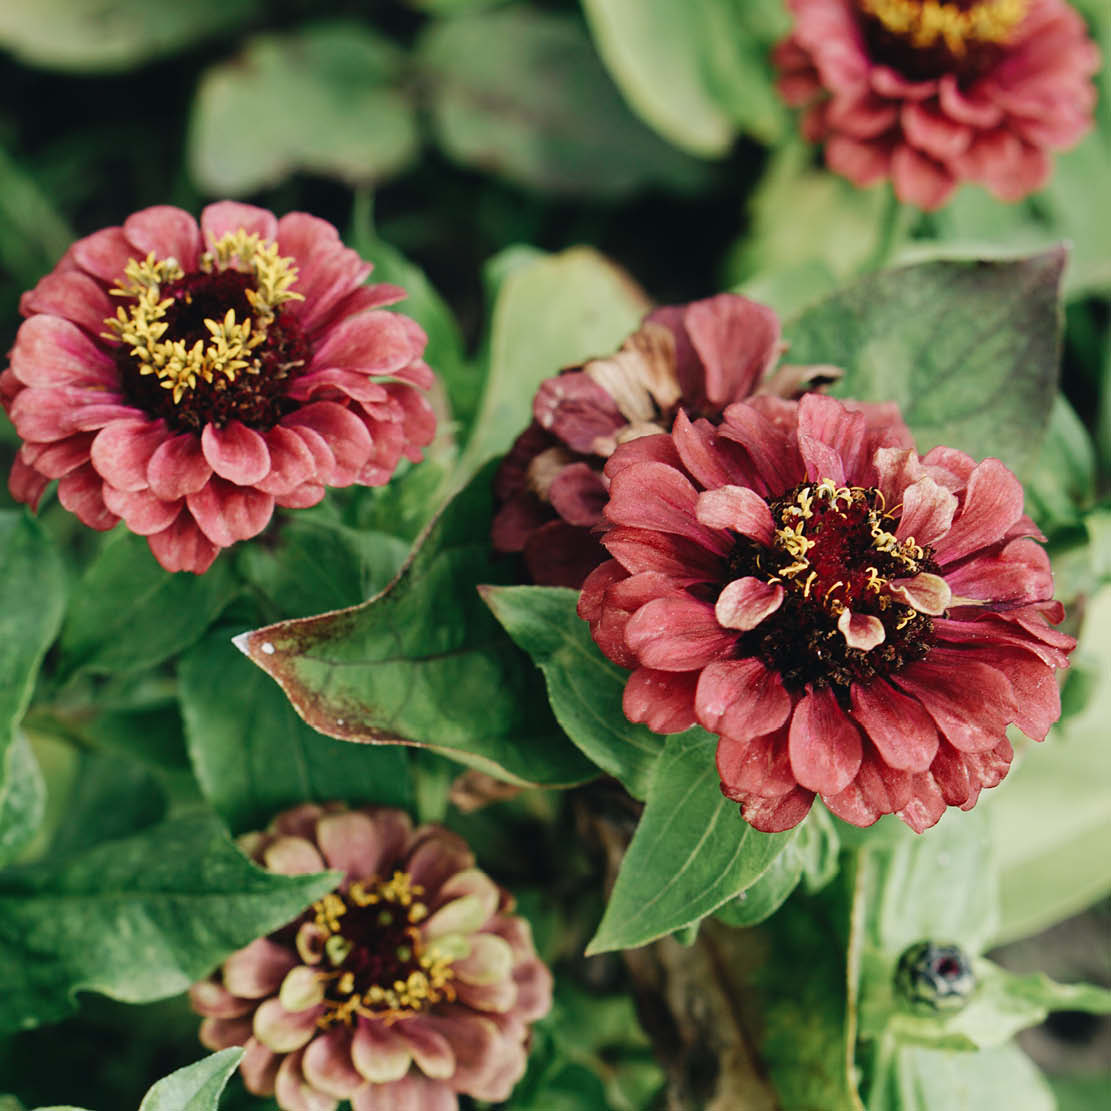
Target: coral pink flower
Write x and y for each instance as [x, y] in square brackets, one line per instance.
[187, 379]
[931, 93]
[411, 982]
[696, 358]
[852, 620]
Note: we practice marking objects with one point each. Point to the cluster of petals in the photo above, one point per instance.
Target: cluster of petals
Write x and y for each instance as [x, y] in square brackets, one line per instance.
[993, 123]
[348, 415]
[910, 739]
[474, 1043]
[698, 357]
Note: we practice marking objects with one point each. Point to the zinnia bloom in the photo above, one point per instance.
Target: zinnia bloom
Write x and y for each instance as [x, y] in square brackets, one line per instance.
[852, 620]
[409, 983]
[187, 379]
[695, 358]
[930, 93]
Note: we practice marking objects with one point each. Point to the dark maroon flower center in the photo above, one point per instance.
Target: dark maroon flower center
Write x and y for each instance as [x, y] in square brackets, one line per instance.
[375, 961]
[256, 393]
[835, 551]
[924, 39]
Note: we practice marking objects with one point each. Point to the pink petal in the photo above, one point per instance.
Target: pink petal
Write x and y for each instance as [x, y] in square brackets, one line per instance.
[227, 513]
[104, 254]
[183, 547]
[213, 1000]
[361, 846]
[737, 341]
[741, 699]
[56, 459]
[71, 294]
[431, 1051]
[259, 1068]
[25, 484]
[284, 1031]
[863, 162]
[744, 603]
[679, 559]
[759, 766]
[861, 630]
[413, 1092]
[778, 814]
[928, 510]
[773, 452]
[876, 790]
[178, 467]
[122, 451]
[534, 990]
[292, 856]
[824, 744]
[50, 351]
[739, 509]
[258, 969]
[992, 503]
[656, 496]
[293, 1092]
[578, 495]
[662, 700]
[710, 459]
[372, 342]
[327, 1064]
[476, 1043]
[933, 132]
[435, 856]
[926, 804]
[1019, 573]
[228, 217]
[341, 431]
[379, 1051]
[678, 633]
[167, 231]
[141, 511]
[222, 1033]
[236, 452]
[898, 726]
[578, 411]
[82, 492]
[920, 180]
[971, 703]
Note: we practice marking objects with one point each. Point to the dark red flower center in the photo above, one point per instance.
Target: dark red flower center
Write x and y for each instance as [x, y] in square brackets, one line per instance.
[924, 39]
[835, 553]
[375, 961]
[212, 345]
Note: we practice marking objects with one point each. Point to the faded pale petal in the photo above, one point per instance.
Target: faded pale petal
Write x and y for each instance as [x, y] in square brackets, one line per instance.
[861, 630]
[744, 603]
[739, 509]
[284, 1031]
[926, 593]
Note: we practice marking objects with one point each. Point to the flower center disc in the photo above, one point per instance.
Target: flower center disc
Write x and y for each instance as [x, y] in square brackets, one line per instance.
[213, 345]
[835, 550]
[927, 38]
[375, 960]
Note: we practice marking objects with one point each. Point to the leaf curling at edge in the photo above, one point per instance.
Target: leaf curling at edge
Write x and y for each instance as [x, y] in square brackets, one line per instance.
[424, 663]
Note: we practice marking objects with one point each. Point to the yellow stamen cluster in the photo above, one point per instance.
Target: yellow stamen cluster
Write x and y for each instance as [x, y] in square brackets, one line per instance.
[231, 344]
[791, 537]
[420, 989]
[926, 22]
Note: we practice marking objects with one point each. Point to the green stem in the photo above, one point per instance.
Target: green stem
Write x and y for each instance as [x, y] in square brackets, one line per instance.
[888, 236]
[362, 215]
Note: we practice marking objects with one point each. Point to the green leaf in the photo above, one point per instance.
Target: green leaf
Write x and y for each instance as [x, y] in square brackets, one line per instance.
[551, 311]
[970, 350]
[112, 34]
[327, 99]
[1062, 481]
[22, 798]
[32, 599]
[137, 919]
[196, 1087]
[425, 663]
[33, 233]
[547, 115]
[584, 688]
[253, 755]
[1057, 865]
[655, 53]
[320, 565]
[128, 614]
[931, 1079]
[691, 852]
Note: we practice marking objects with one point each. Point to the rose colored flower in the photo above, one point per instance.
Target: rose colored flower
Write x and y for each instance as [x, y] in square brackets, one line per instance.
[695, 358]
[852, 620]
[187, 379]
[408, 984]
[931, 93]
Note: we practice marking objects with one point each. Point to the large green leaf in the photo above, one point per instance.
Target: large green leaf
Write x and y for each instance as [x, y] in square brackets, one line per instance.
[137, 919]
[112, 34]
[425, 663]
[22, 798]
[32, 599]
[691, 852]
[969, 349]
[550, 312]
[584, 688]
[327, 99]
[129, 614]
[1062, 483]
[656, 55]
[1057, 865]
[546, 115]
[253, 755]
[196, 1087]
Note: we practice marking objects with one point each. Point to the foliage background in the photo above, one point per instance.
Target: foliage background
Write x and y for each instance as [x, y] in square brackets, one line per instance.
[455, 142]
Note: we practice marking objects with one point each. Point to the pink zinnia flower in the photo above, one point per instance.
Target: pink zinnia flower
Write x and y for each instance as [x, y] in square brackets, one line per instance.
[695, 358]
[852, 620]
[931, 93]
[411, 982]
[187, 379]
